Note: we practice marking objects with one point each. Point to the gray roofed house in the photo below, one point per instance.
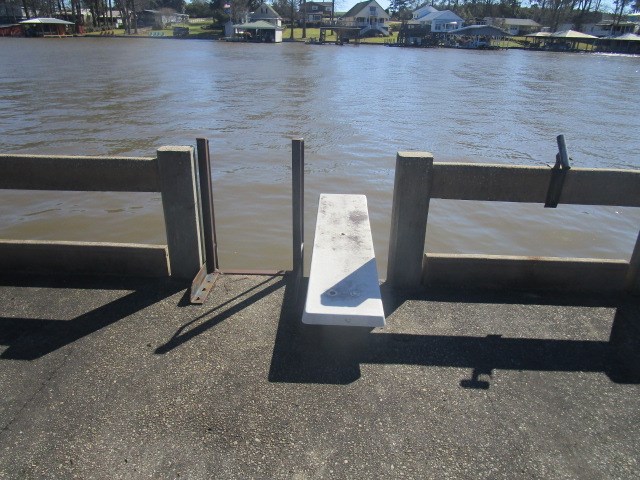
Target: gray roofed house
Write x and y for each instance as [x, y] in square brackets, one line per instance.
[317, 12]
[267, 13]
[441, 21]
[515, 26]
[369, 16]
[423, 10]
[263, 25]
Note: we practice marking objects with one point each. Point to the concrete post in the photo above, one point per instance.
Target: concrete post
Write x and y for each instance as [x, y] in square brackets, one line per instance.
[178, 185]
[411, 194]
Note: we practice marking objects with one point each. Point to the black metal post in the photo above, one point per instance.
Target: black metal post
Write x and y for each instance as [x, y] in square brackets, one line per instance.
[208, 274]
[558, 174]
[297, 200]
[208, 217]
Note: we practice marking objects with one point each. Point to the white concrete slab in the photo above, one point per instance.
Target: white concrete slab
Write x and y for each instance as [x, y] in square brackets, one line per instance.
[343, 283]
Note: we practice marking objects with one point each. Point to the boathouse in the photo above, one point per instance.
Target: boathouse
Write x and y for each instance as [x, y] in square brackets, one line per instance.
[46, 27]
[477, 36]
[262, 25]
[627, 43]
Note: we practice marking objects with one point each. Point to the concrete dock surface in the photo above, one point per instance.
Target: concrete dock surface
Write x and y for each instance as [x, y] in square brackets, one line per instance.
[124, 379]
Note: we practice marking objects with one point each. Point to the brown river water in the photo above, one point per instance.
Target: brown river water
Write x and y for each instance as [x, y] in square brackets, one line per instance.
[355, 106]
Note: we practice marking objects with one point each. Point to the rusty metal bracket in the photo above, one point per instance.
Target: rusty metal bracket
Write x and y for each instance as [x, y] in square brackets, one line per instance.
[202, 285]
[206, 278]
[558, 174]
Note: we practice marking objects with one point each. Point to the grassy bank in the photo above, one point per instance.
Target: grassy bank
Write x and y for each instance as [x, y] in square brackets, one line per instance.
[314, 33]
[198, 30]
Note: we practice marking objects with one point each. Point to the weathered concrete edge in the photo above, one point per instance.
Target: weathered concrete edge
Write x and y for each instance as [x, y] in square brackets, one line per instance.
[86, 258]
[516, 272]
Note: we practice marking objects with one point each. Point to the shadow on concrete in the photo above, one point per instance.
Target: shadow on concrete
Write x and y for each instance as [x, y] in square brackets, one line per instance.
[196, 326]
[31, 338]
[333, 355]
[353, 290]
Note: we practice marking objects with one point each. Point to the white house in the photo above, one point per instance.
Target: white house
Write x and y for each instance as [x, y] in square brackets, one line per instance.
[317, 12]
[263, 25]
[423, 11]
[369, 16]
[267, 13]
[439, 21]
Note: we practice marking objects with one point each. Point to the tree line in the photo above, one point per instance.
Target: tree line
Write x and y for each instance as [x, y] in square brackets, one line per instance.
[101, 10]
[546, 12]
[550, 13]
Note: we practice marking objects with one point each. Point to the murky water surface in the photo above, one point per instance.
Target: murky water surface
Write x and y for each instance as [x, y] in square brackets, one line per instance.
[354, 106]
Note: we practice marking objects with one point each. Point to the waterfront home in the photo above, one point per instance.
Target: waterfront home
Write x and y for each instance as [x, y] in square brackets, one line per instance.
[267, 13]
[611, 28]
[423, 11]
[515, 26]
[607, 27]
[317, 13]
[440, 21]
[160, 18]
[110, 18]
[426, 23]
[369, 16]
[262, 25]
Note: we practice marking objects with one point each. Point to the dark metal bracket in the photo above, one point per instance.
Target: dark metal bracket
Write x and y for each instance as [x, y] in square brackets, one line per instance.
[558, 174]
[206, 278]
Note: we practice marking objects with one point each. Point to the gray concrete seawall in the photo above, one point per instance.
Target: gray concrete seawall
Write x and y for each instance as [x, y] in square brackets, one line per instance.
[172, 173]
[418, 178]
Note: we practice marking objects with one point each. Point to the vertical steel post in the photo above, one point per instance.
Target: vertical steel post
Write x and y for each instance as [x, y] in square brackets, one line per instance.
[208, 217]
[206, 278]
[297, 200]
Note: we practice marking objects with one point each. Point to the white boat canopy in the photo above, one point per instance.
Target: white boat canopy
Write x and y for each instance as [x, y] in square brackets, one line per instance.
[45, 21]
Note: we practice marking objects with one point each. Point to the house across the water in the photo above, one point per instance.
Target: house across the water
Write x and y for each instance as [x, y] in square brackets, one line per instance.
[369, 17]
[428, 26]
[263, 25]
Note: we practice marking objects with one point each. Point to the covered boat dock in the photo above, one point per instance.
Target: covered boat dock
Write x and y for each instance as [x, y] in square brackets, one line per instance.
[259, 31]
[477, 37]
[563, 41]
[46, 27]
[627, 43]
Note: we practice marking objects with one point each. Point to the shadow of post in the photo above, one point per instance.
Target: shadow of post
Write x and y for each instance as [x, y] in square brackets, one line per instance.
[31, 338]
[624, 343]
[333, 355]
[313, 353]
[198, 325]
